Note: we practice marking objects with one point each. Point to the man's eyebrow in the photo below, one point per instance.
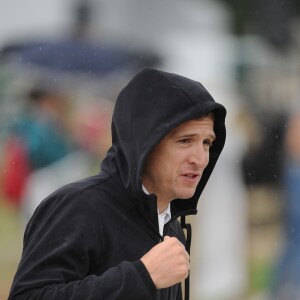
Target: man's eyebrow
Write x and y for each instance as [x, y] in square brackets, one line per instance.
[211, 136]
[183, 135]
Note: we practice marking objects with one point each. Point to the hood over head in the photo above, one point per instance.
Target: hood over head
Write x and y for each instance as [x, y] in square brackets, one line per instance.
[146, 110]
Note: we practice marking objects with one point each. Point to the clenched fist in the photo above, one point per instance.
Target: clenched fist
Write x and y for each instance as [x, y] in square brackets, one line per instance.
[167, 262]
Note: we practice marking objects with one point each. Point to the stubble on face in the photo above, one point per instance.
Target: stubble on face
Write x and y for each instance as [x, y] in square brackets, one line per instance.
[171, 170]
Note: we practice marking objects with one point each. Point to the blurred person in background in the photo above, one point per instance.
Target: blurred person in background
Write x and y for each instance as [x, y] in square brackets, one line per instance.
[90, 130]
[36, 138]
[116, 235]
[286, 281]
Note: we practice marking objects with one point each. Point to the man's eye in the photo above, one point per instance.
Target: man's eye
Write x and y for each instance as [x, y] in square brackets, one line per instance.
[184, 141]
[209, 143]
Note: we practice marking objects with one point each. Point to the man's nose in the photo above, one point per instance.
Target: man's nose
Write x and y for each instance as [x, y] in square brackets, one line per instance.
[199, 157]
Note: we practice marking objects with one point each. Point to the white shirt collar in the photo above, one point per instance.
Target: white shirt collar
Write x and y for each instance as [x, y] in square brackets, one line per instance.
[163, 217]
[145, 190]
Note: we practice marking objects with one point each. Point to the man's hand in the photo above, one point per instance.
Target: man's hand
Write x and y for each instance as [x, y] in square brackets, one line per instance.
[167, 262]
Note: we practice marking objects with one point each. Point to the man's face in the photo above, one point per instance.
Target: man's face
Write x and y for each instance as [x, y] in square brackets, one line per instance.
[175, 166]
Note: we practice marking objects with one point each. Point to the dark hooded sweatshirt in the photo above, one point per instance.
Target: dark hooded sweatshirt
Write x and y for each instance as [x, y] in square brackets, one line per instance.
[85, 241]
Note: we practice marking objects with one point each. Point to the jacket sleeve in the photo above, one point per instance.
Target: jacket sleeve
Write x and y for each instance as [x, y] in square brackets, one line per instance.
[61, 250]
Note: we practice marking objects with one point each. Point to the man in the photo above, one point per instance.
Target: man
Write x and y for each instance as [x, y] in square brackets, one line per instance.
[116, 235]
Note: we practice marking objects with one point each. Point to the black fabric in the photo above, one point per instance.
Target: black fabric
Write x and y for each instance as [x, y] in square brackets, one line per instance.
[188, 228]
[85, 240]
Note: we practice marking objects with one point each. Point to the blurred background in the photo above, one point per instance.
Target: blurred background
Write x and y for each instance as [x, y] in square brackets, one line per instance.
[62, 64]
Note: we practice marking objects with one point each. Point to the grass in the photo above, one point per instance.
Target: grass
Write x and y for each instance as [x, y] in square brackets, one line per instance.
[11, 235]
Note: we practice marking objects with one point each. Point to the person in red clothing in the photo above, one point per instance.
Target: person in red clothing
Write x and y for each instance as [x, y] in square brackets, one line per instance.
[36, 138]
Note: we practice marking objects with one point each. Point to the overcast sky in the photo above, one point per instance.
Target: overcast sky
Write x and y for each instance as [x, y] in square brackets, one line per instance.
[27, 18]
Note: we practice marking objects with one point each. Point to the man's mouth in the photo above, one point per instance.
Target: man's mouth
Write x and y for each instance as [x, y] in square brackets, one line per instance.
[191, 176]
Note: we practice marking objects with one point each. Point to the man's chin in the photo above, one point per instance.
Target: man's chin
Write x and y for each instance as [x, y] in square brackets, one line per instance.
[186, 194]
